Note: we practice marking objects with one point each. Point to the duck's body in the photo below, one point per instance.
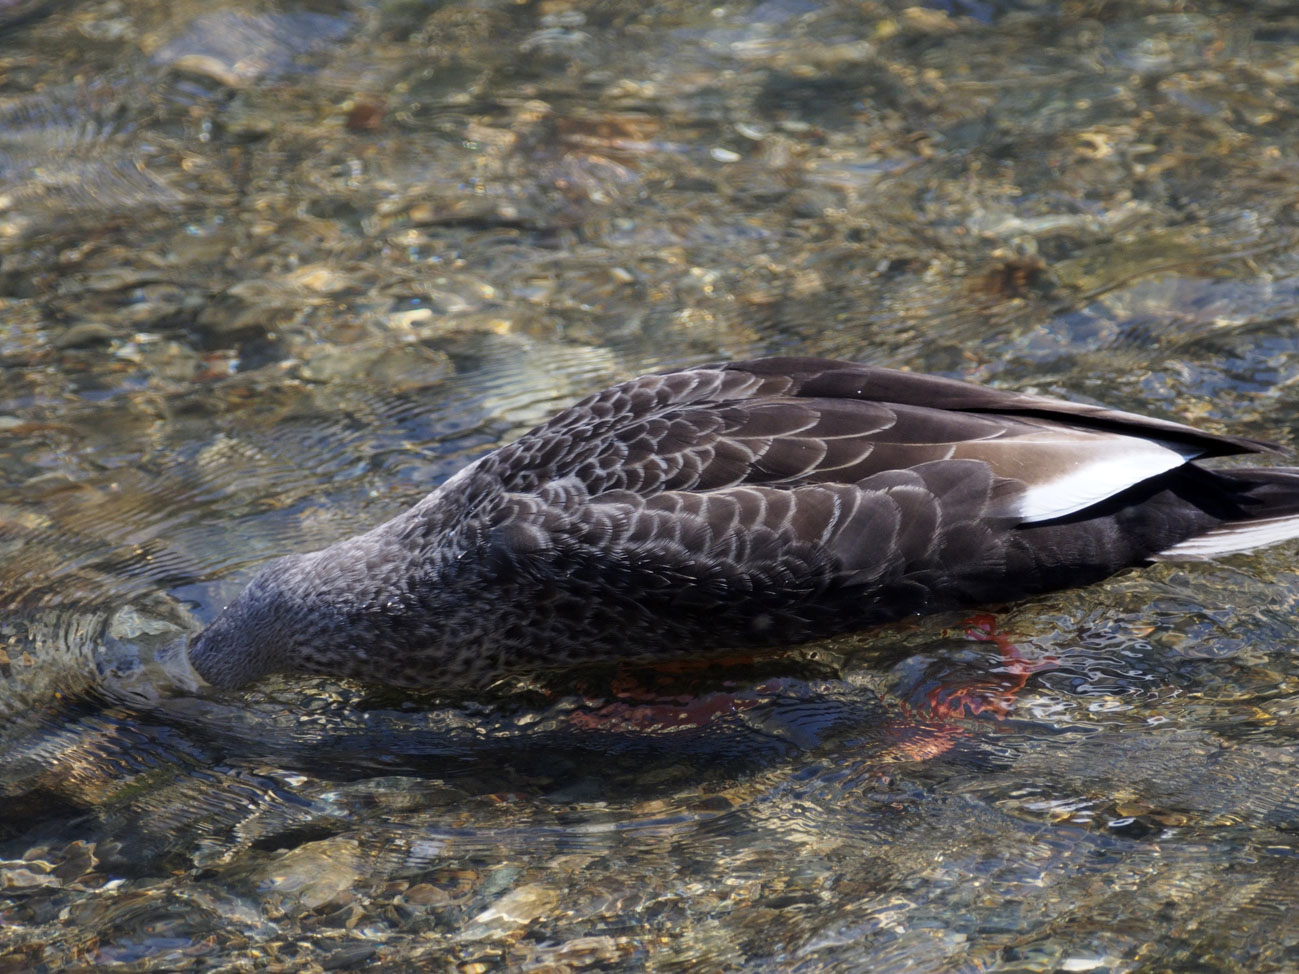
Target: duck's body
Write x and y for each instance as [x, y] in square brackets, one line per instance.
[749, 504]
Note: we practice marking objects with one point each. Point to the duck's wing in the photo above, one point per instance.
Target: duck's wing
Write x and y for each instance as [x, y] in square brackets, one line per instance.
[751, 565]
[833, 379]
[787, 423]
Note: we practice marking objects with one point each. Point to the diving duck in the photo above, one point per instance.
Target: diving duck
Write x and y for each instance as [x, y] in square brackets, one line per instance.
[745, 505]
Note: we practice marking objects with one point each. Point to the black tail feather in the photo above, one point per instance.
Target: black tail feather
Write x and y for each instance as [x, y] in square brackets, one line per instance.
[1267, 499]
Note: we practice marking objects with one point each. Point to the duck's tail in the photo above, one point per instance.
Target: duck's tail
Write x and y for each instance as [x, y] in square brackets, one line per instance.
[1268, 500]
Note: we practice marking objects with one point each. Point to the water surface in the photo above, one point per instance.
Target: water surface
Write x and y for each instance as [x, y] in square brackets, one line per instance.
[269, 272]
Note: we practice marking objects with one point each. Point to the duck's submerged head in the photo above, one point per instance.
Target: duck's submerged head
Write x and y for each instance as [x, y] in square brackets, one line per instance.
[255, 634]
[373, 607]
[339, 611]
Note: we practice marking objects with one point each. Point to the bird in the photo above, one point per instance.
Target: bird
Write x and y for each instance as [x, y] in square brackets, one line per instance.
[743, 506]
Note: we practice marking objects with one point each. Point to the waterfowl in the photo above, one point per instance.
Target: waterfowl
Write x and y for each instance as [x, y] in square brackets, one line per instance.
[744, 505]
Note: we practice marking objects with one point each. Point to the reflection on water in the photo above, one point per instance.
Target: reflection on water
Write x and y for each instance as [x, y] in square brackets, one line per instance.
[268, 273]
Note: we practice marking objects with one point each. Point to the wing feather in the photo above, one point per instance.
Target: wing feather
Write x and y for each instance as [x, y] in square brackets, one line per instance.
[791, 423]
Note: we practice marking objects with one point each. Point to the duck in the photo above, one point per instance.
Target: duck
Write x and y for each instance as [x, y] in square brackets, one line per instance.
[745, 506]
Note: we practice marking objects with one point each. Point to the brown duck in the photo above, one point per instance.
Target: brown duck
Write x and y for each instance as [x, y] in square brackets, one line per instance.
[745, 505]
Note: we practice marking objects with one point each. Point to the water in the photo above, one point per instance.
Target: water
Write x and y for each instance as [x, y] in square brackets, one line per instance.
[270, 272]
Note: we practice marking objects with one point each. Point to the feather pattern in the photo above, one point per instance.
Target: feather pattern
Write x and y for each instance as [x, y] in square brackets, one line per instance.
[748, 504]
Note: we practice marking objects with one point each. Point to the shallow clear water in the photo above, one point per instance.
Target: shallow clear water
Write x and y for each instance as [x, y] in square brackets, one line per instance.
[270, 272]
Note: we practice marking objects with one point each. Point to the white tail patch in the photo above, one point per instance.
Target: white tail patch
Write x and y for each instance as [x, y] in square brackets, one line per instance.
[1227, 539]
[1064, 471]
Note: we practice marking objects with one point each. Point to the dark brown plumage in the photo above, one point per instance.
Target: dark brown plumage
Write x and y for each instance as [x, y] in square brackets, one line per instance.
[741, 505]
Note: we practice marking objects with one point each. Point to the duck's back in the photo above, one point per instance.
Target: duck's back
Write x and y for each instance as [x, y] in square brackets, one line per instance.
[770, 502]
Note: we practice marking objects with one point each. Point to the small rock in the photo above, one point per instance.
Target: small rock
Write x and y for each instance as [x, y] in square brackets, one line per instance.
[349, 956]
[312, 876]
[426, 894]
[18, 876]
[517, 909]
[85, 335]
